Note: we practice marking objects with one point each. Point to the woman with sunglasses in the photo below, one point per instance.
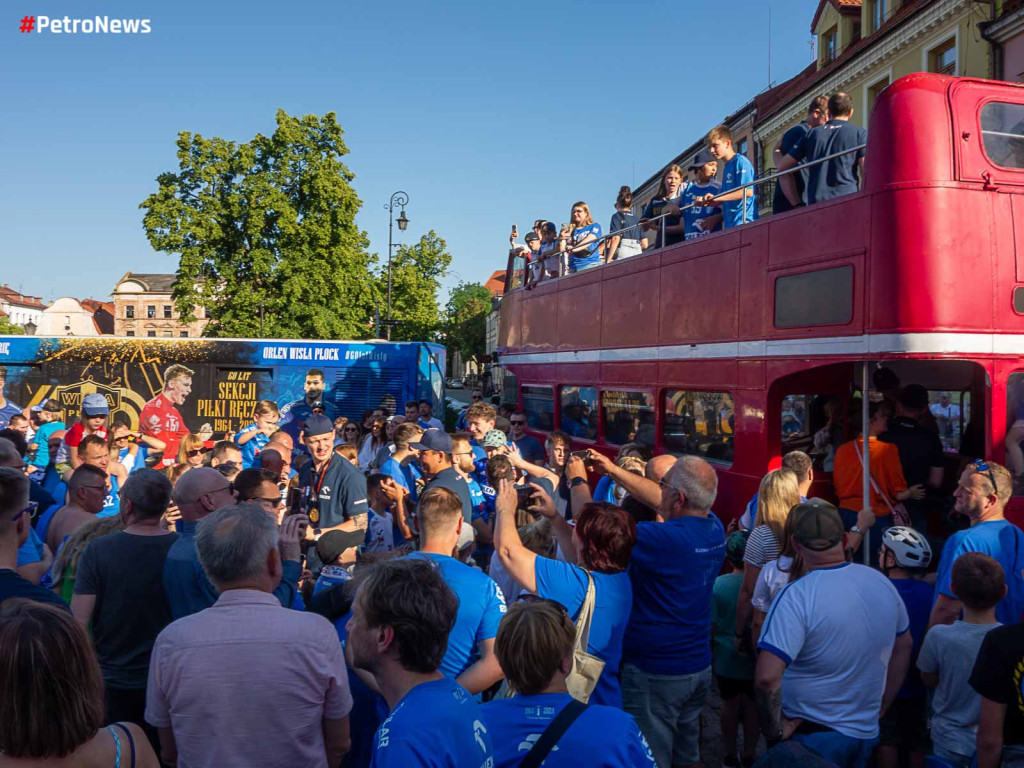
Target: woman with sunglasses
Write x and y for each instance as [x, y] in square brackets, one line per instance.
[601, 542]
[351, 434]
[191, 452]
[52, 706]
[372, 443]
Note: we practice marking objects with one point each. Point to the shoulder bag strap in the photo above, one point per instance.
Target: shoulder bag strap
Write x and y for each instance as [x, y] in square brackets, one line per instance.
[860, 460]
[131, 742]
[555, 730]
[586, 614]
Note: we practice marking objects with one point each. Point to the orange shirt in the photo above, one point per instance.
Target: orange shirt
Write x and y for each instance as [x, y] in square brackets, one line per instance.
[848, 475]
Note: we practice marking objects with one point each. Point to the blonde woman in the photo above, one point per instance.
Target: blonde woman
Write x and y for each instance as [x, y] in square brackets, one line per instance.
[579, 239]
[670, 191]
[778, 494]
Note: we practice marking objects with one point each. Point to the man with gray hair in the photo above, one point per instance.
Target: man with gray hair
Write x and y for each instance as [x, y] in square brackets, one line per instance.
[16, 513]
[119, 590]
[281, 696]
[666, 669]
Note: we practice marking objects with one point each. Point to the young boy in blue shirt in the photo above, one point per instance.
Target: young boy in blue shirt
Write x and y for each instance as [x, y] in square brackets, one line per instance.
[254, 438]
[903, 732]
[738, 171]
[733, 672]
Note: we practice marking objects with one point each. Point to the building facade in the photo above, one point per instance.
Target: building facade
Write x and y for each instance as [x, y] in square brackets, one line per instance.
[143, 307]
[26, 311]
[70, 317]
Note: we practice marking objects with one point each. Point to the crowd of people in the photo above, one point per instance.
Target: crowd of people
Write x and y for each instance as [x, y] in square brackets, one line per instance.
[384, 592]
[709, 201]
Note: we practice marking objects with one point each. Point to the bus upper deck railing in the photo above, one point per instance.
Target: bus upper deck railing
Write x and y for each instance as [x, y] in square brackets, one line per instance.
[517, 263]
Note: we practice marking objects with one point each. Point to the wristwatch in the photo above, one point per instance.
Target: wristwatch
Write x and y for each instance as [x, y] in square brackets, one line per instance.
[577, 481]
[856, 529]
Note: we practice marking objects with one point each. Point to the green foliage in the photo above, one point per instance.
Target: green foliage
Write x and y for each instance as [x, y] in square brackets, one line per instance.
[8, 328]
[466, 320]
[416, 273]
[267, 223]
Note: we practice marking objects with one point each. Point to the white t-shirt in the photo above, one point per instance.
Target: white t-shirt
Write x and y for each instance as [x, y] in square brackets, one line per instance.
[835, 628]
[380, 533]
[773, 577]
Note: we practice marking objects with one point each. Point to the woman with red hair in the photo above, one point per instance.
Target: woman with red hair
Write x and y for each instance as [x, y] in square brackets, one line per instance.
[601, 542]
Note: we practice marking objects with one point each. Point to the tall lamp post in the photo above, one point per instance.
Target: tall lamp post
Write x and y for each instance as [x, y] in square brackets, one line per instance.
[398, 199]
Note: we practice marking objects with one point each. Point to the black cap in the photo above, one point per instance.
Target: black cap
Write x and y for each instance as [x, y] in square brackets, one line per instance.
[818, 525]
[913, 396]
[334, 543]
[317, 425]
[531, 236]
[701, 159]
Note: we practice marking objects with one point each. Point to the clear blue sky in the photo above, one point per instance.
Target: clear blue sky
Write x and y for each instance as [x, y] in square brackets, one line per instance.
[486, 115]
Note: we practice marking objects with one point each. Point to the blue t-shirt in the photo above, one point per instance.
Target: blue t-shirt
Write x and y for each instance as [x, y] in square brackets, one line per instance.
[590, 257]
[918, 597]
[9, 409]
[673, 569]
[839, 176]
[530, 449]
[112, 502]
[481, 606]
[691, 216]
[790, 140]
[601, 736]
[835, 629]
[999, 539]
[253, 447]
[435, 725]
[404, 475]
[42, 439]
[566, 583]
[738, 171]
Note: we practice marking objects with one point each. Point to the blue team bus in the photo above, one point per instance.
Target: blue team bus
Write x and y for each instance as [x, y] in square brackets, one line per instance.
[228, 376]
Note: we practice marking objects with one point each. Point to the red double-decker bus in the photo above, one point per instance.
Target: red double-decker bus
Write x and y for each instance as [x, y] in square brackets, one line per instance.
[753, 341]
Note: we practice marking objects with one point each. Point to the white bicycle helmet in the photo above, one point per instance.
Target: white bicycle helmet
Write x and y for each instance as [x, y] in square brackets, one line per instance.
[909, 548]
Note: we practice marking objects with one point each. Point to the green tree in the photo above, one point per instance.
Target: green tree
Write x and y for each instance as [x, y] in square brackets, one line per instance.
[10, 329]
[266, 227]
[466, 320]
[416, 272]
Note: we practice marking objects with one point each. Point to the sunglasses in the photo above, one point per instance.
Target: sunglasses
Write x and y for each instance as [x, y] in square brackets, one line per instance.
[518, 423]
[30, 510]
[196, 452]
[477, 397]
[273, 501]
[351, 429]
[981, 467]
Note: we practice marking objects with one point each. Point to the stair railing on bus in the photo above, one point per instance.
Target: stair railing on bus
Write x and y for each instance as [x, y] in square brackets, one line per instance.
[517, 263]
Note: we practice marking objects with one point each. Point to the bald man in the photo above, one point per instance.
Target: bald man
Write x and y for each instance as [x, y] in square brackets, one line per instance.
[197, 493]
[644, 489]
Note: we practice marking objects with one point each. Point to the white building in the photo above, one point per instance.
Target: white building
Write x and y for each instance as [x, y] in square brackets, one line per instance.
[20, 309]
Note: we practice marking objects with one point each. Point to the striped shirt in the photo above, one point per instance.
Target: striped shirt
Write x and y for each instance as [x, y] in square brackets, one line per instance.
[762, 547]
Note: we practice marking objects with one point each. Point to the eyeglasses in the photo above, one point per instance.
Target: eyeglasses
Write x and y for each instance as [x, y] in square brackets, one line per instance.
[518, 423]
[30, 510]
[981, 467]
[196, 452]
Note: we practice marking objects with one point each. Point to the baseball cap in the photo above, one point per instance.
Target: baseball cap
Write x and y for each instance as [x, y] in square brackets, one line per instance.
[494, 438]
[818, 525]
[434, 440]
[333, 543]
[531, 236]
[95, 405]
[51, 406]
[317, 425]
[702, 158]
[466, 536]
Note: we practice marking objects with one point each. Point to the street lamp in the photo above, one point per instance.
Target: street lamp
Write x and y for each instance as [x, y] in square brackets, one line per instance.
[31, 328]
[397, 199]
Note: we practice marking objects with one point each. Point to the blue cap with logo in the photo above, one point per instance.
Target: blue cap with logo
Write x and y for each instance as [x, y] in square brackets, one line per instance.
[95, 405]
[434, 440]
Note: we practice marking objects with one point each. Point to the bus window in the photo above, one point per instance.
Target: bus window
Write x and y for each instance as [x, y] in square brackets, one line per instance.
[699, 423]
[579, 412]
[813, 424]
[539, 404]
[1015, 430]
[628, 417]
[1002, 134]
[952, 412]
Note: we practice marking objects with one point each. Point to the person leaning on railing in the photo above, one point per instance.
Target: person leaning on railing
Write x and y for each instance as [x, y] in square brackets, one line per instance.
[630, 240]
[668, 192]
[581, 239]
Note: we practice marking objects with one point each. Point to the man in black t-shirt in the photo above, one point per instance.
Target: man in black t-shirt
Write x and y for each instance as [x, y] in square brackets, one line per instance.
[836, 177]
[817, 114]
[16, 511]
[435, 447]
[920, 449]
[998, 677]
[334, 491]
[119, 588]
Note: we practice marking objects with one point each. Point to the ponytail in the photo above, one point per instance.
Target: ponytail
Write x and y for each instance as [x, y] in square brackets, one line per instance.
[625, 198]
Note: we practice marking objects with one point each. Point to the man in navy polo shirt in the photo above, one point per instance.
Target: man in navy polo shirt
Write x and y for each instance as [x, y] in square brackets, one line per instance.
[435, 449]
[666, 670]
[838, 176]
[333, 489]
